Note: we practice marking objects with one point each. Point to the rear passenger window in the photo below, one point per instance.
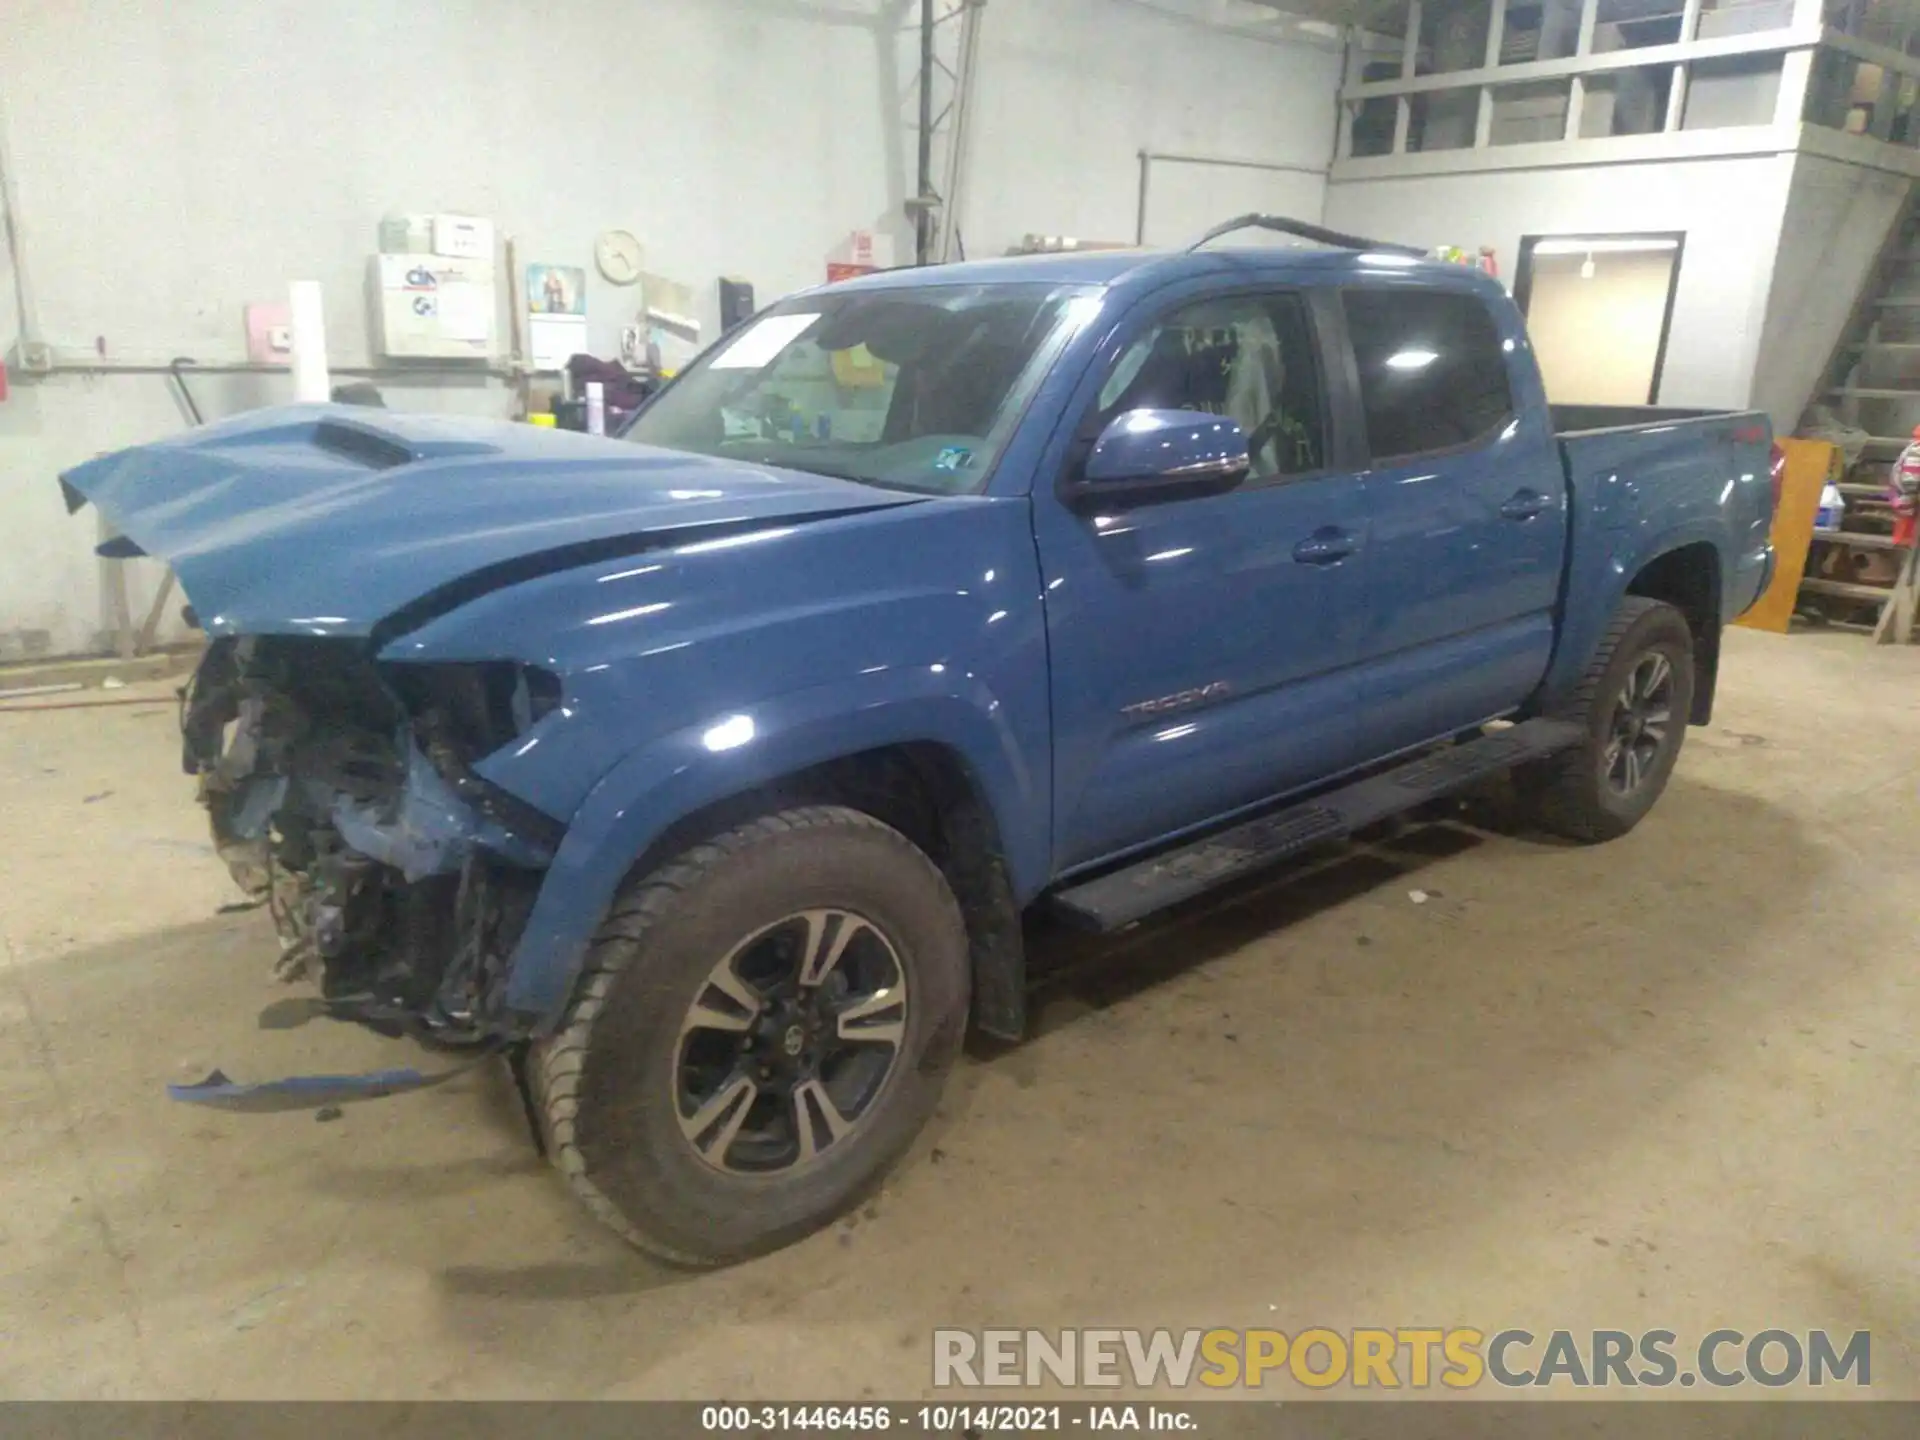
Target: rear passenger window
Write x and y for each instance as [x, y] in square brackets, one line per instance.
[1433, 374]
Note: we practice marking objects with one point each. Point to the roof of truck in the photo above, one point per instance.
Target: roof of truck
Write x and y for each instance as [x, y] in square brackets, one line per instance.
[1109, 267]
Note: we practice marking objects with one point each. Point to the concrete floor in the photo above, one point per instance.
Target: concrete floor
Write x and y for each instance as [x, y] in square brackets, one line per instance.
[1666, 1082]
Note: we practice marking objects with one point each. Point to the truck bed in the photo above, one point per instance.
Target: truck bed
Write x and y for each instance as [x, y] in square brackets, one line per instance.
[1585, 419]
[1698, 478]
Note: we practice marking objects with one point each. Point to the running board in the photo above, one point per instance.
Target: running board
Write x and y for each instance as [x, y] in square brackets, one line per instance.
[1121, 897]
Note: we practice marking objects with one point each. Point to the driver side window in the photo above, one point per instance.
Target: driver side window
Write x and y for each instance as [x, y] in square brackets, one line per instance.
[1250, 357]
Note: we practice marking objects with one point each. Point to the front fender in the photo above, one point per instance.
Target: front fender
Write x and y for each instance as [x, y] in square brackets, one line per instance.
[729, 754]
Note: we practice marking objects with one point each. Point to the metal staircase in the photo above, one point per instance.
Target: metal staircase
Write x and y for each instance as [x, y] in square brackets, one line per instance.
[1872, 382]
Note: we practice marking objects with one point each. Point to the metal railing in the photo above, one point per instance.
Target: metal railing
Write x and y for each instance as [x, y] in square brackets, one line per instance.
[1510, 82]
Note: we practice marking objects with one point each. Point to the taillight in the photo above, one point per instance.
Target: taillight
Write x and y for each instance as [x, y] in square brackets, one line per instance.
[1777, 469]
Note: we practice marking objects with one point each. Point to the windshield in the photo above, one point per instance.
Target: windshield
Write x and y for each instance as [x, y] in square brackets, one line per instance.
[910, 389]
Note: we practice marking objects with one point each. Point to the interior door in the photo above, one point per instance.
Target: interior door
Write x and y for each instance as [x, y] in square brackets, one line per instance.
[1468, 505]
[1198, 645]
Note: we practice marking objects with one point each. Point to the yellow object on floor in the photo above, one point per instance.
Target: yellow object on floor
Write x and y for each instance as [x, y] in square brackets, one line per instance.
[1810, 464]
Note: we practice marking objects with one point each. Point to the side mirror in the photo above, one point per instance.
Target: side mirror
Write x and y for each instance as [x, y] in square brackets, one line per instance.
[1152, 455]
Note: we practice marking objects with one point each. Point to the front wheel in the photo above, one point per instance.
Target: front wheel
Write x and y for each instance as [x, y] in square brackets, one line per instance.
[764, 1026]
[1634, 701]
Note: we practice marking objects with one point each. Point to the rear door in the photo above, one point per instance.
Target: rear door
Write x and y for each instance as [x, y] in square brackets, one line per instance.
[1198, 645]
[1468, 506]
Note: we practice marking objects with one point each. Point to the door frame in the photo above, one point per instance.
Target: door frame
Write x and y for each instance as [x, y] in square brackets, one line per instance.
[1523, 282]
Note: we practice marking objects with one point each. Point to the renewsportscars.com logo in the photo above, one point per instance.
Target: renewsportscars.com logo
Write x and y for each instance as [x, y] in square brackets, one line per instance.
[1421, 1358]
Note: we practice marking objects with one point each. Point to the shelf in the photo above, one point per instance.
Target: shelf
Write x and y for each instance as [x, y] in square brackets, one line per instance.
[1840, 589]
[1855, 539]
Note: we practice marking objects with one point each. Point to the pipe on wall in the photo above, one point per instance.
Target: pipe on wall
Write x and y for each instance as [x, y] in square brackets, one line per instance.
[923, 213]
[28, 330]
[1148, 157]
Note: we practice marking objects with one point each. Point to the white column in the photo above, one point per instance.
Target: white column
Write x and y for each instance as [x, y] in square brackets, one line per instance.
[1483, 121]
[308, 324]
[1583, 45]
[1409, 54]
[1677, 91]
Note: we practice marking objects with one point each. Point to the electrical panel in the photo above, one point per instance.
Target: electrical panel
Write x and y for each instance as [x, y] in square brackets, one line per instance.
[434, 306]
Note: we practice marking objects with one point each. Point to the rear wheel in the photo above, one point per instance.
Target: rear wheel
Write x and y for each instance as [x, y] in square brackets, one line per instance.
[764, 1026]
[1634, 701]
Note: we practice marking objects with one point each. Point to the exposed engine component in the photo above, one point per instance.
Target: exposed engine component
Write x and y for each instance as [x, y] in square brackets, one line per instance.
[340, 793]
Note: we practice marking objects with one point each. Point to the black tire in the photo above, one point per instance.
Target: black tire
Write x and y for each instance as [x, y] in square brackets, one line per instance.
[1576, 793]
[611, 1083]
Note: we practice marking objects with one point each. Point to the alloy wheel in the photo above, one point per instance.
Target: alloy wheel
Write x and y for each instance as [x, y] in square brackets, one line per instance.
[789, 1042]
[1641, 722]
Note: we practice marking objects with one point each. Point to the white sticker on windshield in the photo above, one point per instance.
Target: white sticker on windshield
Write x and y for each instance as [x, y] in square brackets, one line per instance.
[763, 342]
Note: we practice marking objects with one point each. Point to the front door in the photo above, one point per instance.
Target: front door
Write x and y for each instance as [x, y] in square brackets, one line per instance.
[1198, 645]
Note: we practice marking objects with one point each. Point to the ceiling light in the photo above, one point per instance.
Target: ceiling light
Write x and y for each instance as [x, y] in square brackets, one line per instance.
[1574, 245]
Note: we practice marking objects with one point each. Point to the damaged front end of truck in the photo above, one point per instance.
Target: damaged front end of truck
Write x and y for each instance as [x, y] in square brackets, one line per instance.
[341, 795]
[391, 758]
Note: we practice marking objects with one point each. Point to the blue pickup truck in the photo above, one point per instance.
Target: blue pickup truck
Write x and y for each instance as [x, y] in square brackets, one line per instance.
[710, 772]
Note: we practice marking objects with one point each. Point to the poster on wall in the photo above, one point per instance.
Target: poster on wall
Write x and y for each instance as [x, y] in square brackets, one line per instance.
[557, 290]
[556, 314]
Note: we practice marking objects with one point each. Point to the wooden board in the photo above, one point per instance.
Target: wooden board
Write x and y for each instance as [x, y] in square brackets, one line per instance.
[1810, 464]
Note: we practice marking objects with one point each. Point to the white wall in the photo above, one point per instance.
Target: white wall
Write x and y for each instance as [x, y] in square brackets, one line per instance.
[1731, 210]
[172, 162]
[1070, 91]
[1840, 216]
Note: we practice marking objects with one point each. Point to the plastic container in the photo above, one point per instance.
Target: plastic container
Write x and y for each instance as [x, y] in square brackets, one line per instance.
[1833, 508]
[596, 408]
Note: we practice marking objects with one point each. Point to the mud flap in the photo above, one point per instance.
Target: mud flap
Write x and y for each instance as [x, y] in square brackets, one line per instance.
[307, 1092]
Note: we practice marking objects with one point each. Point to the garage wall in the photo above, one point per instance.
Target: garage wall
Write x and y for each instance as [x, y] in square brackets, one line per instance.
[1841, 216]
[1139, 77]
[1731, 210]
[172, 162]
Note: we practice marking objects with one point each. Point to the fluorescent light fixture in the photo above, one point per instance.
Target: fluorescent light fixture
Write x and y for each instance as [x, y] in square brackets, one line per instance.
[1598, 246]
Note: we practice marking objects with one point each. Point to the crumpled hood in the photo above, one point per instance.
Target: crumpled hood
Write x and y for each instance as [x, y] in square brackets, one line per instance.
[328, 519]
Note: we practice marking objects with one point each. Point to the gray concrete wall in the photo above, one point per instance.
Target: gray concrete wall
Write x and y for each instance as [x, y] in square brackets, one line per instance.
[1838, 216]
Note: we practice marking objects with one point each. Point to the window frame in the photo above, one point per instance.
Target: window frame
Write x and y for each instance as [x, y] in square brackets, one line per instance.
[1335, 444]
[1020, 399]
[1375, 461]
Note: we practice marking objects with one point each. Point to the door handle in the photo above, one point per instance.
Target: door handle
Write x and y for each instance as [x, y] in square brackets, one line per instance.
[1524, 505]
[1324, 547]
